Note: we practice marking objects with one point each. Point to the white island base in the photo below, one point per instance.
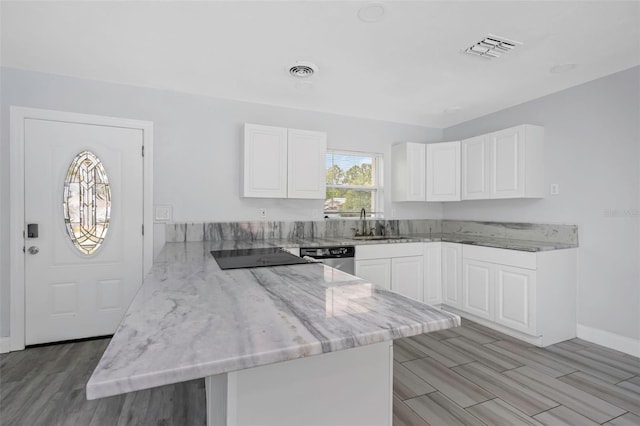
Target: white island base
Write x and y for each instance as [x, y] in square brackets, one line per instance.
[347, 387]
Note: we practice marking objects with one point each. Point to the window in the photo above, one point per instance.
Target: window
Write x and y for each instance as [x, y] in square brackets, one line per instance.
[87, 202]
[354, 182]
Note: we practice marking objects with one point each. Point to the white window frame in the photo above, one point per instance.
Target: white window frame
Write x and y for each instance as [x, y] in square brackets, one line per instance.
[377, 187]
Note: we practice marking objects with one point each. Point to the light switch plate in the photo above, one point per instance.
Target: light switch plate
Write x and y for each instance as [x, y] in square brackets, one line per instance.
[162, 214]
[554, 189]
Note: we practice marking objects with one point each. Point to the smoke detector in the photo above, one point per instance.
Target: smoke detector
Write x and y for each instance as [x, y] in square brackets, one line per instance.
[303, 69]
[492, 47]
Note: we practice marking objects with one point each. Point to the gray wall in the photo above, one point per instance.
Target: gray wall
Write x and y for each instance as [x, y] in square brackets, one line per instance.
[197, 148]
[592, 149]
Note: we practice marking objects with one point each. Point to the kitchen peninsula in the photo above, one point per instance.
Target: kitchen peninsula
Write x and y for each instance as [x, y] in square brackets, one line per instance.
[276, 345]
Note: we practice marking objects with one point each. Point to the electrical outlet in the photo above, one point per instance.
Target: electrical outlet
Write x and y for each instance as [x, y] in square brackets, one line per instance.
[554, 189]
[262, 213]
[162, 214]
[393, 212]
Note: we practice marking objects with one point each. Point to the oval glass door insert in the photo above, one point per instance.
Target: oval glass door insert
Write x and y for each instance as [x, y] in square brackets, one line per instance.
[87, 202]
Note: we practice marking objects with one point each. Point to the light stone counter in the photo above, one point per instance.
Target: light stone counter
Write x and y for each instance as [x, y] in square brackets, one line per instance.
[495, 242]
[191, 320]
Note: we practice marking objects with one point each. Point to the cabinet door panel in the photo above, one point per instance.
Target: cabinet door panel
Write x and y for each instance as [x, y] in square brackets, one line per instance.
[452, 274]
[306, 170]
[443, 171]
[265, 161]
[515, 301]
[476, 165]
[508, 163]
[408, 172]
[407, 276]
[432, 273]
[376, 271]
[477, 288]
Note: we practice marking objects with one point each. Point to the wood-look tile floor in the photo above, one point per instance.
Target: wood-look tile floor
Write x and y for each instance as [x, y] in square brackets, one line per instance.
[469, 375]
[473, 375]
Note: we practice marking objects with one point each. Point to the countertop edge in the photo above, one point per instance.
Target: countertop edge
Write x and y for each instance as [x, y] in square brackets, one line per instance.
[147, 381]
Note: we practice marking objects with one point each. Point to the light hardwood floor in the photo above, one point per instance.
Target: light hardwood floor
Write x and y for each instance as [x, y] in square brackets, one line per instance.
[467, 375]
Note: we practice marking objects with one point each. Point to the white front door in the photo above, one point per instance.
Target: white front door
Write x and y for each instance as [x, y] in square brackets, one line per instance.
[70, 294]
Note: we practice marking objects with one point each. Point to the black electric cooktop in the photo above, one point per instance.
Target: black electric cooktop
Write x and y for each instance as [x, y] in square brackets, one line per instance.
[255, 258]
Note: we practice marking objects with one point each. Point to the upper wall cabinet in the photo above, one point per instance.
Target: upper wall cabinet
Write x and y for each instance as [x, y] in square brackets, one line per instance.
[443, 171]
[476, 165]
[425, 172]
[283, 163]
[408, 177]
[504, 164]
[265, 161]
[306, 168]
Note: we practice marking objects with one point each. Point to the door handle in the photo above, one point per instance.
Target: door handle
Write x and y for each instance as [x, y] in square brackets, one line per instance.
[33, 250]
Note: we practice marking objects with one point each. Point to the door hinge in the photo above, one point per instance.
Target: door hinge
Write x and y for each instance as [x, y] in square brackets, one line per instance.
[142, 229]
[143, 150]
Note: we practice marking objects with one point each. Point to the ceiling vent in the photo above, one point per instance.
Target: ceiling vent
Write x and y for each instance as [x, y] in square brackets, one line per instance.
[303, 70]
[492, 47]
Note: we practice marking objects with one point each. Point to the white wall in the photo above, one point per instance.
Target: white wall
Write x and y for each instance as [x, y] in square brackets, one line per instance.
[592, 149]
[197, 148]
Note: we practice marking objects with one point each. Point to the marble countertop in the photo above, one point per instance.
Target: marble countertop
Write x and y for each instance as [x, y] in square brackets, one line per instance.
[191, 320]
[504, 243]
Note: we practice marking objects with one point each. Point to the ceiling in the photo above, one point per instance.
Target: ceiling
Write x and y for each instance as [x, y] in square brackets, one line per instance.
[408, 67]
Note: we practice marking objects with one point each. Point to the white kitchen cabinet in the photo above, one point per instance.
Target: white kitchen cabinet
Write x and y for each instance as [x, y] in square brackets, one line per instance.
[515, 298]
[452, 274]
[402, 263]
[306, 168]
[283, 163]
[407, 276]
[408, 177]
[432, 273]
[443, 171]
[265, 161]
[476, 168]
[376, 271]
[504, 164]
[478, 288]
[528, 295]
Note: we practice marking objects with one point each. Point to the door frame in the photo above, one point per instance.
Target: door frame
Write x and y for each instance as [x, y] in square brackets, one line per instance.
[16, 196]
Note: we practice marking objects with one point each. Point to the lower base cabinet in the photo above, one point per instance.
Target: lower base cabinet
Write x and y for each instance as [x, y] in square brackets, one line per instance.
[397, 267]
[376, 271]
[477, 288]
[529, 295]
[452, 274]
[407, 276]
[432, 293]
[515, 290]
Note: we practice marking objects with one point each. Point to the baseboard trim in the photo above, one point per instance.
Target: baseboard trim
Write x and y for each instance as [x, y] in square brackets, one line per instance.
[5, 345]
[610, 340]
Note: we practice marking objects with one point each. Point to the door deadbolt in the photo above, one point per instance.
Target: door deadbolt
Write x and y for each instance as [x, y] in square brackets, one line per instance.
[32, 230]
[33, 250]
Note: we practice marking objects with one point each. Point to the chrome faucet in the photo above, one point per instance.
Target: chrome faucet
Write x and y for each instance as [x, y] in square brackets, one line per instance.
[363, 232]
